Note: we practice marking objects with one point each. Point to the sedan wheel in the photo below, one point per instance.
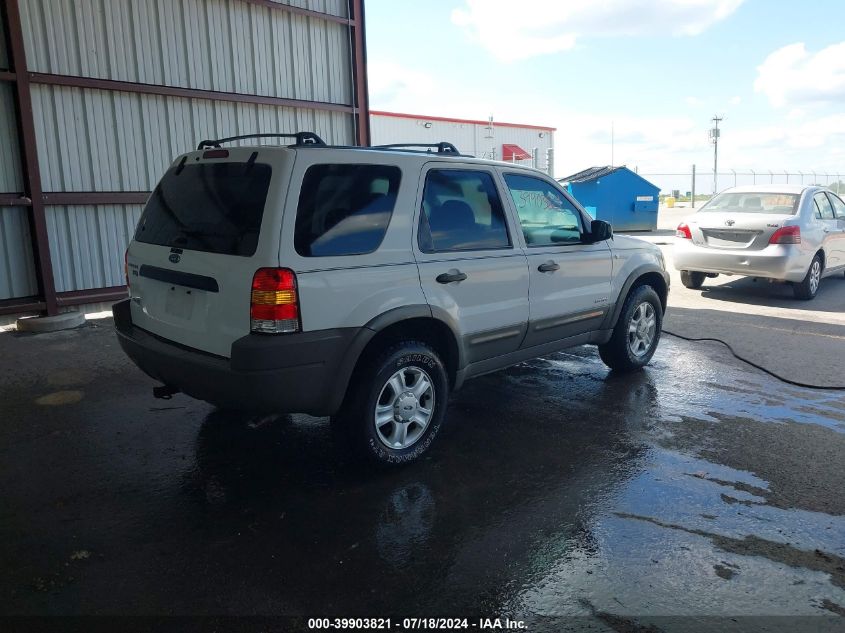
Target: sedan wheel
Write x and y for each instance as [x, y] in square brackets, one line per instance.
[808, 288]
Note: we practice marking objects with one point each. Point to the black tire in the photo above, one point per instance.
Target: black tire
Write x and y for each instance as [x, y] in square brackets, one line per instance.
[356, 423]
[692, 279]
[617, 353]
[807, 288]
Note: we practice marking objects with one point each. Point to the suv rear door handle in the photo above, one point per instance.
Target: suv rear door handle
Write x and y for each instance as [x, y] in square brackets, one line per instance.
[548, 267]
[452, 275]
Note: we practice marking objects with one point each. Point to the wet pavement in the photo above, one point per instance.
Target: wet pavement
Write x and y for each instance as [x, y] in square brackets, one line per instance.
[699, 487]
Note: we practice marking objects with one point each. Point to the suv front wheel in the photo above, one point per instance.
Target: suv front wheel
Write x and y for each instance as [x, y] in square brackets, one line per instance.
[637, 331]
[396, 404]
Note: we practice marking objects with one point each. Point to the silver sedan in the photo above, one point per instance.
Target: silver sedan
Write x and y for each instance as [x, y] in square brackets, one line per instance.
[787, 233]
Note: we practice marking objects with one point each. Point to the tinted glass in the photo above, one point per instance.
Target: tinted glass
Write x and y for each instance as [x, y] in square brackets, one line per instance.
[823, 209]
[461, 211]
[545, 215]
[344, 209]
[754, 202]
[209, 207]
[838, 206]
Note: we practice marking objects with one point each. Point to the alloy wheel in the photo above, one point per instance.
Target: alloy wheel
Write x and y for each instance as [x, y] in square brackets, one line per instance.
[642, 329]
[404, 408]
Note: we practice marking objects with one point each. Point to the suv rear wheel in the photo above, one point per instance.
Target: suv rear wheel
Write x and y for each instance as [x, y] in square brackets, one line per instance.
[396, 404]
[637, 331]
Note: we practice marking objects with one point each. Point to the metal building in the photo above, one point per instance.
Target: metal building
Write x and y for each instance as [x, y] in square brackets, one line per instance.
[98, 96]
[616, 195]
[511, 142]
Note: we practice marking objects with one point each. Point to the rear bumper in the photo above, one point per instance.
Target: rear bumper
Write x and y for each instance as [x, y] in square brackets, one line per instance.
[295, 373]
[786, 262]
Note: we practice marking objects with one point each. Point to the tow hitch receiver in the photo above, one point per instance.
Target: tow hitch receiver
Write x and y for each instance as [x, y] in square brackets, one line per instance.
[164, 392]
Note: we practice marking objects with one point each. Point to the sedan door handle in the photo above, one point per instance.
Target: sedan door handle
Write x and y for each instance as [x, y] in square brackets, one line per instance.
[452, 275]
[548, 267]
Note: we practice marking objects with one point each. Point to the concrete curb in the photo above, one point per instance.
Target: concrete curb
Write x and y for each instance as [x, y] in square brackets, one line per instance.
[39, 325]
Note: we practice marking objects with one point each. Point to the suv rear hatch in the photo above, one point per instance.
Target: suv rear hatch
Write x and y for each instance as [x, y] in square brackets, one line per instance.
[211, 222]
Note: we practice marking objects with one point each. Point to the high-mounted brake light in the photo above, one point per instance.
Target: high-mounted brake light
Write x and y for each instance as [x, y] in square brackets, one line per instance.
[786, 235]
[216, 153]
[274, 305]
[683, 231]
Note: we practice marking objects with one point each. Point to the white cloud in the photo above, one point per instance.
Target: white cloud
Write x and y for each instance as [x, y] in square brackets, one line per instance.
[539, 27]
[388, 80]
[792, 75]
[399, 88]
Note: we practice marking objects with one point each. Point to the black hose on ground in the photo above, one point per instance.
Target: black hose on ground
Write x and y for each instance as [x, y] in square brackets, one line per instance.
[752, 363]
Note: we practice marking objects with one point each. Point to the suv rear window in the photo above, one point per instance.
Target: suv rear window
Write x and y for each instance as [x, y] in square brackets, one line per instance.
[209, 207]
[344, 209]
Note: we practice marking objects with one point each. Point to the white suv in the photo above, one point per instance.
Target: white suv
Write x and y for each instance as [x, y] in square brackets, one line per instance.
[366, 284]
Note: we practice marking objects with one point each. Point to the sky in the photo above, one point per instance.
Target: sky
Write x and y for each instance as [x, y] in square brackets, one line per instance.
[653, 71]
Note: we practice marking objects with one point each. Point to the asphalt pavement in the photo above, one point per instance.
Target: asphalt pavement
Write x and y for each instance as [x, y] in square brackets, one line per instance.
[558, 494]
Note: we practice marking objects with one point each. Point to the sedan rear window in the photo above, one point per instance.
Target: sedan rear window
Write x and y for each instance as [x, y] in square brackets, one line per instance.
[209, 207]
[754, 202]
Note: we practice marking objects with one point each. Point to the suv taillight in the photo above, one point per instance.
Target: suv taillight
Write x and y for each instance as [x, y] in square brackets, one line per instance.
[683, 231]
[786, 235]
[274, 305]
[126, 266]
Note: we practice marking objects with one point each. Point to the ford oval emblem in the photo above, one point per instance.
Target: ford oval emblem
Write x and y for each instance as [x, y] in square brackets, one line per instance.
[174, 257]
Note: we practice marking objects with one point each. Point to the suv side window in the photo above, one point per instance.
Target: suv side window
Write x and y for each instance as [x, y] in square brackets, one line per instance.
[461, 211]
[838, 205]
[823, 209]
[546, 216]
[344, 209]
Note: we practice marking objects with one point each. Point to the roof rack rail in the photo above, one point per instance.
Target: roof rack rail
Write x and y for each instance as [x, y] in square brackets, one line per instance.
[302, 138]
[443, 147]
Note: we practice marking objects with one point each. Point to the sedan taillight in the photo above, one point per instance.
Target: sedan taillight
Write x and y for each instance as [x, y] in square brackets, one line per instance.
[786, 235]
[683, 231]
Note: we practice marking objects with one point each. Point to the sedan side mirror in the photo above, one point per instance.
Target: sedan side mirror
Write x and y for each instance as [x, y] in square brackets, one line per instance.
[600, 231]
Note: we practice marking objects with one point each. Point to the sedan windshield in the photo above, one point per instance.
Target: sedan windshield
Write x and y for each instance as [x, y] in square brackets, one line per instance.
[754, 202]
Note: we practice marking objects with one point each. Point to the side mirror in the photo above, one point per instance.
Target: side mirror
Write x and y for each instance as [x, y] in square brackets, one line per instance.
[600, 231]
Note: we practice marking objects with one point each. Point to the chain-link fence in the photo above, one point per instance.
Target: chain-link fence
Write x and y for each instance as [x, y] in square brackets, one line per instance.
[682, 185]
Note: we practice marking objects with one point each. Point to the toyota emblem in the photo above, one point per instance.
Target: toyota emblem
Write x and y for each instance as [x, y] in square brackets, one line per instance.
[174, 258]
[729, 222]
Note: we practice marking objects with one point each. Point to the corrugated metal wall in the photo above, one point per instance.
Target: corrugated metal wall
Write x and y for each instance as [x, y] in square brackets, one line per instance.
[92, 140]
[87, 244]
[17, 269]
[4, 55]
[229, 46]
[100, 140]
[17, 273]
[10, 161]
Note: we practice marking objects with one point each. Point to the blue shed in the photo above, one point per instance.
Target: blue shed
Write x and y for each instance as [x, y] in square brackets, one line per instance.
[616, 195]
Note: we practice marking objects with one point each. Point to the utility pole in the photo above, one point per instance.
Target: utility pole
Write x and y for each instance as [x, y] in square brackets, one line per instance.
[693, 186]
[714, 136]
